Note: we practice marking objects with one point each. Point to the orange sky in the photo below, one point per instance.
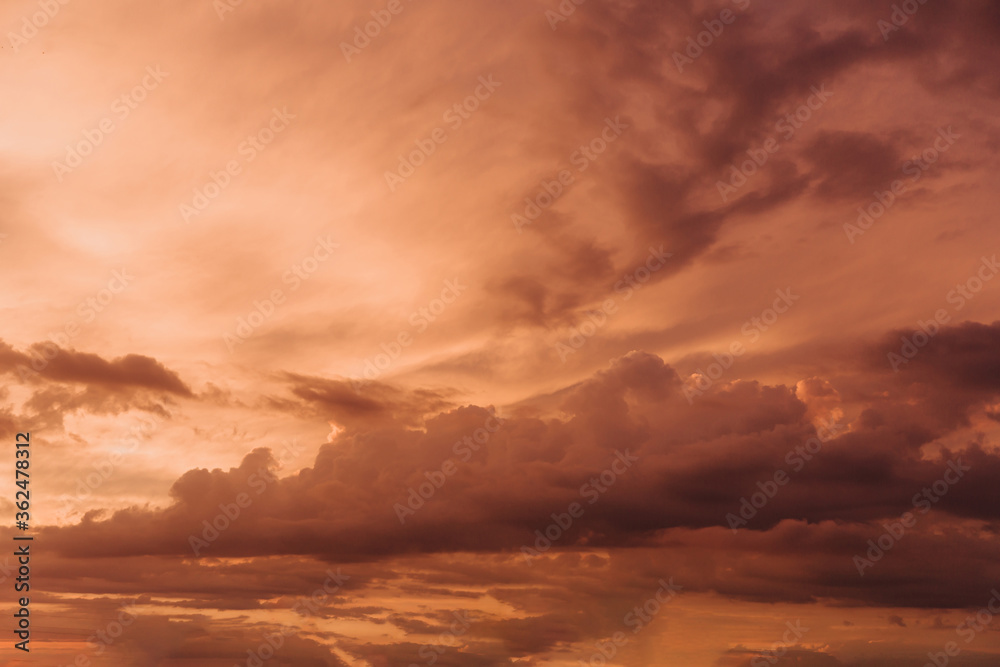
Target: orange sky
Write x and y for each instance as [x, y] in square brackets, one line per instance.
[258, 258]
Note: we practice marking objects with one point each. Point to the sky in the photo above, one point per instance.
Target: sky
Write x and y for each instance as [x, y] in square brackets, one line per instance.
[542, 333]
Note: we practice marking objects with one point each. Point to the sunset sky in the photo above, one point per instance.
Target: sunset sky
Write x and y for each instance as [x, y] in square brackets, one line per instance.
[536, 332]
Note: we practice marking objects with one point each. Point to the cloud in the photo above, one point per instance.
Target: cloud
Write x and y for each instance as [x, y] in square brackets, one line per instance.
[700, 462]
[48, 361]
